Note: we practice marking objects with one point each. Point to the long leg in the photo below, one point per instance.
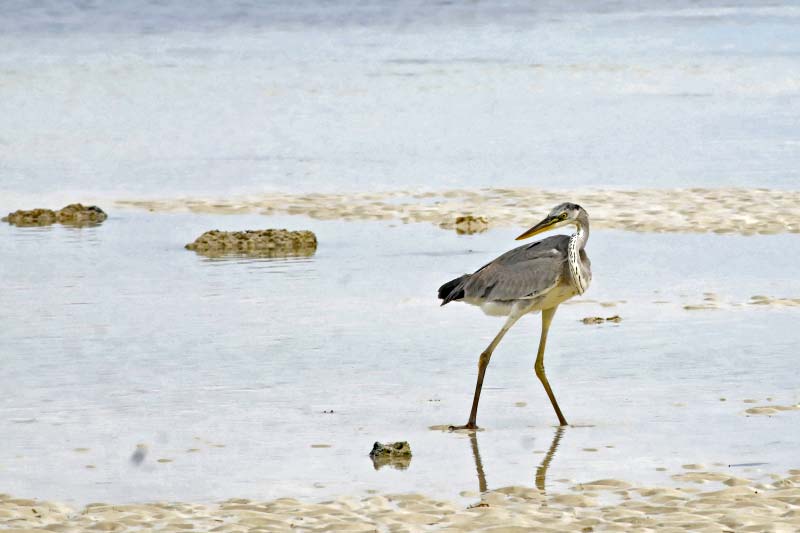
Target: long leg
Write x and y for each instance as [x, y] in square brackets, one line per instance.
[483, 362]
[547, 318]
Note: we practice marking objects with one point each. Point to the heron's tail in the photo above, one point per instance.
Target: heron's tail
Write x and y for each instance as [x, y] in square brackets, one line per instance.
[453, 289]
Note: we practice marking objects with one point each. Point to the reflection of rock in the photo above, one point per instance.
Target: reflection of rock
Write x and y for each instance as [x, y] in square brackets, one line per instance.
[470, 224]
[600, 320]
[265, 243]
[395, 454]
[73, 214]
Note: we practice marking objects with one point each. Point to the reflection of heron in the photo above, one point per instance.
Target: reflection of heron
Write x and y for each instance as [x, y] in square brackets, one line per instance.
[476, 454]
[534, 277]
[541, 470]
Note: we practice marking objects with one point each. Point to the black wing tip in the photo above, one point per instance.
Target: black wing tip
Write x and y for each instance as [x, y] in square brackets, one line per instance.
[452, 290]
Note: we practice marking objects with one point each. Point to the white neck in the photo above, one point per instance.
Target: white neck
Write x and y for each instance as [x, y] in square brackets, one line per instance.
[579, 278]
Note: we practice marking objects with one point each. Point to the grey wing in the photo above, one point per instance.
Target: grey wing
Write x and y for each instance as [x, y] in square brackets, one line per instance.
[522, 273]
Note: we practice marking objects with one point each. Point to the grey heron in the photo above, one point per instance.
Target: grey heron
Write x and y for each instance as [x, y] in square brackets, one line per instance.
[533, 277]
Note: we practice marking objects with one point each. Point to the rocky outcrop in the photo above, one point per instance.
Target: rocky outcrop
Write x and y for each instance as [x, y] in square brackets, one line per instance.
[263, 243]
[470, 224]
[600, 320]
[395, 454]
[72, 215]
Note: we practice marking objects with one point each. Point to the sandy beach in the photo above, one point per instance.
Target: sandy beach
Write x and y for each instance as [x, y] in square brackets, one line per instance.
[706, 501]
[699, 210]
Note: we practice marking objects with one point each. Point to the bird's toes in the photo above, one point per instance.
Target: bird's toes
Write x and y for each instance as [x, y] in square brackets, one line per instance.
[470, 427]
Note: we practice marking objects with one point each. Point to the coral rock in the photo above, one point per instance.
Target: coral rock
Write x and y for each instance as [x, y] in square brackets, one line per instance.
[471, 224]
[394, 454]
[266, 243]
[600, 320]
[73, 215]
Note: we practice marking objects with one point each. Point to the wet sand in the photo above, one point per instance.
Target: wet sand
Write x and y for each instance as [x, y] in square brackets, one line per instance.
[712, 301]
[708, 501]
[700, 210]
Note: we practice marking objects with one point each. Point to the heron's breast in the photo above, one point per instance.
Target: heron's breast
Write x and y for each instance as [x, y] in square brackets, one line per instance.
[556, 295]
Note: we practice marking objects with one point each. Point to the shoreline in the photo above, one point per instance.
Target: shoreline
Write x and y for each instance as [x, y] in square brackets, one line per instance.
[698, 210]
[711, 501]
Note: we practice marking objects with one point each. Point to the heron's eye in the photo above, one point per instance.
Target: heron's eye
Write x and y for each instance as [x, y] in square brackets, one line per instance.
[562, 216]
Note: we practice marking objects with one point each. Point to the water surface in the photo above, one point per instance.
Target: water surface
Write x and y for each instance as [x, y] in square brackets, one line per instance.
[115, 336]
[164, 98]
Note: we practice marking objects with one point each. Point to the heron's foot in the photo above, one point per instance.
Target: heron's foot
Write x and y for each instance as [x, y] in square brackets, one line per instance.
[469, 425]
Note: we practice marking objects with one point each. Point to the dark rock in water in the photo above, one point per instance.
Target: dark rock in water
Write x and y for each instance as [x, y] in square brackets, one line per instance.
[393, 449]
[467, 224]
[263, 243]
[470, 224]
[600, 320]
[395, 454]
[139, 454]
[72, 215]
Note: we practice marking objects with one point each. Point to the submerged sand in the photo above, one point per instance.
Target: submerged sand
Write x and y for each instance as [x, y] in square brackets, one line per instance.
[712, 301]
[729, 504]
[724, 210]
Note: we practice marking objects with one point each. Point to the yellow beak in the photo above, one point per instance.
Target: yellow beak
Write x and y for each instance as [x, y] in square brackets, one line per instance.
[544, 225]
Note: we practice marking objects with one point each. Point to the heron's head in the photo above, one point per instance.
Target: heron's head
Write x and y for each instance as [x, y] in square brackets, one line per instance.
[560, 215]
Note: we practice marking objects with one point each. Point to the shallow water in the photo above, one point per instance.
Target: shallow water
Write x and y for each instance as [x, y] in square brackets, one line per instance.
[166, 98]
[228, 370]
[115, 336]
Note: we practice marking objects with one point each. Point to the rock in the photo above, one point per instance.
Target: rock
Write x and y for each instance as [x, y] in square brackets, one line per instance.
[79, 214]
[470, 224]
[393, 449]
[600, 320]
[139, 454]
[263, 243]
[395, 454]
[73, 215]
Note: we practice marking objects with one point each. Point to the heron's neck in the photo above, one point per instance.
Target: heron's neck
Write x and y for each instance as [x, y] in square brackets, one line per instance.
[581, 235]
[580, 278]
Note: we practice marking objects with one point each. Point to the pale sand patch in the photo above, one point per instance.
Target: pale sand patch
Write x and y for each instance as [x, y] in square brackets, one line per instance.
[775, 302]
[740, 505]
[697, 307]
[725, 210]
[701, 477]
[771, 409]
[761, 301]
